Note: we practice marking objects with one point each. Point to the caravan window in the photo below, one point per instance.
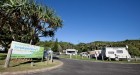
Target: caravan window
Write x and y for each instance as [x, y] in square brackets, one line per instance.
[110, 52]
[71, 51]
[119, 51]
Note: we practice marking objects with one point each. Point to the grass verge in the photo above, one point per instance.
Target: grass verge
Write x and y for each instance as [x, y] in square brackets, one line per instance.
[93, 59]
[24, 65]
[3, 56]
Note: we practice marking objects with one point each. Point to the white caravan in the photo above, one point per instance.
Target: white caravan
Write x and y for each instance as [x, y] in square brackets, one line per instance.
[71, 51]
[115, 52]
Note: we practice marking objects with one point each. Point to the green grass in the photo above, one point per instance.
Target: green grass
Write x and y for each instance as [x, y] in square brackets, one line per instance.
[24, 64]
[3, 56]
[76, 57]
[93, 59]
[27, 66]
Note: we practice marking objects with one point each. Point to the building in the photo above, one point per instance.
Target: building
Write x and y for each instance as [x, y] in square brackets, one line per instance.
[95, 53]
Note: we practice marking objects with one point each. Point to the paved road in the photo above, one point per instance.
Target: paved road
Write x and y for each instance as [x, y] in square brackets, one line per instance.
[78, 67]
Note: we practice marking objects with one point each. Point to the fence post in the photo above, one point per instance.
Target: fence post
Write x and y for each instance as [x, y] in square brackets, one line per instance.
[76, 56]
[89, 56]
[70, 56]
[102, 58]
[135, 58]
[128, 59]
[96, 57]
[32, 64]
[109, 58]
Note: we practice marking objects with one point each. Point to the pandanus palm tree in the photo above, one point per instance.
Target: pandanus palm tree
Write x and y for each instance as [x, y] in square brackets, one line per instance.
[26, 21]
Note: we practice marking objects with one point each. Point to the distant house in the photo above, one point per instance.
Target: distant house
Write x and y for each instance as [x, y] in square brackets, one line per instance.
[115, 52]
[95, 53]
[71, 51]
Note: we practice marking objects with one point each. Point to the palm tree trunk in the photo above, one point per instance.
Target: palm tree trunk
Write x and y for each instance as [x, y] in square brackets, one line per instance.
[31, 41]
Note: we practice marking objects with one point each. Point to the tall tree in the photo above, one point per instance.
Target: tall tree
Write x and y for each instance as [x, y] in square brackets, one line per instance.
[26, 21]
[55, 48]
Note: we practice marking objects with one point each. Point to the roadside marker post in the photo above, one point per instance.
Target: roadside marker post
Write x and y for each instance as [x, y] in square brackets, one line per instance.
[135, 58]
[102, 58]
[70, 56]
[89, 56]
[76, 56]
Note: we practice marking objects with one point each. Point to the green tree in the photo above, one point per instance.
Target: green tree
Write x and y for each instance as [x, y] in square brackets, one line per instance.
[133, 46]
[55, 48]
[26, 21]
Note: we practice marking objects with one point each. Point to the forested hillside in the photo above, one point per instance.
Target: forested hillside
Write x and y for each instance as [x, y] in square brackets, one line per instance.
[133, 45]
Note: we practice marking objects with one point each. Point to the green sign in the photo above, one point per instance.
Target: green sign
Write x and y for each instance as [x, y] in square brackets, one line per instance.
[22, 50]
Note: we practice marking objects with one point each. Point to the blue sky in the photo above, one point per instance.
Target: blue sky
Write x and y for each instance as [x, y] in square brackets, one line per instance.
[97, 20]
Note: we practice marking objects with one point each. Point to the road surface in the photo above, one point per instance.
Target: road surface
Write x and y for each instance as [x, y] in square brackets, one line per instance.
[78, 67]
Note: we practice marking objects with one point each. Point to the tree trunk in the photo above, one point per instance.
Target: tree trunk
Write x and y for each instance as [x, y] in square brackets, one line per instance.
[31, 41]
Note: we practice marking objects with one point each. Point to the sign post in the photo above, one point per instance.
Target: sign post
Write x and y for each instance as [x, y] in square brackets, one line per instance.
[51, 55]
[7, 62]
